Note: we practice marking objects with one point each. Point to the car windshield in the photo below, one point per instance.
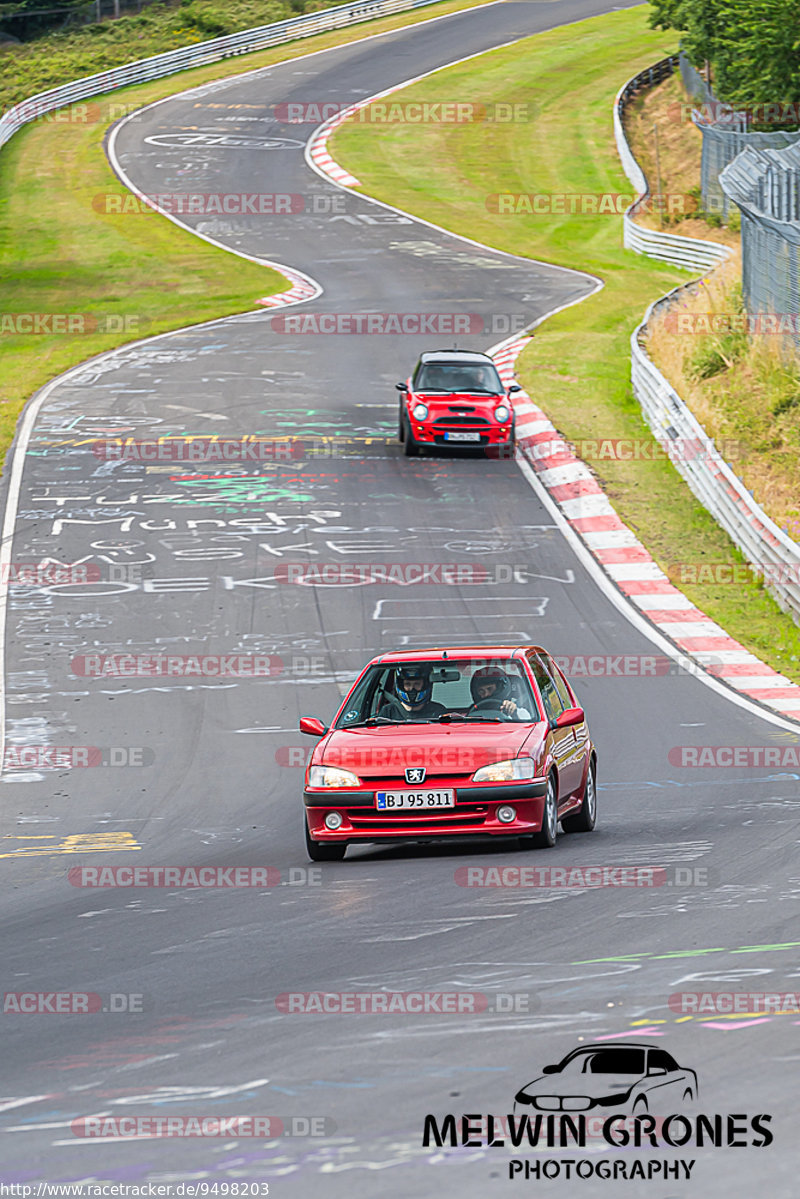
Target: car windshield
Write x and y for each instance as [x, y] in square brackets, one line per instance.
[473, 690]
[471, 377]
[606, 1061]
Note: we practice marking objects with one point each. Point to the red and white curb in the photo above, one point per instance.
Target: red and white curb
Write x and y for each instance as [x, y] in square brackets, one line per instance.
[318, 148]
[589, 512]
[303, 288]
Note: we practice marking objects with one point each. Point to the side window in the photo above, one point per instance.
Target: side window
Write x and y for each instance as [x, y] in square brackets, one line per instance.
[552, 704]
[561, 686]
[659, 1059]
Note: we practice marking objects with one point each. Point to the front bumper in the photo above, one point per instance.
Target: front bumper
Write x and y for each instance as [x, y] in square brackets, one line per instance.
[427, 434]
[475, 813]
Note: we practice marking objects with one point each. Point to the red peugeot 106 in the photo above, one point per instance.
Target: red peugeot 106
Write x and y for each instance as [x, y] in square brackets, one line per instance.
[455, 398]
[481, 741]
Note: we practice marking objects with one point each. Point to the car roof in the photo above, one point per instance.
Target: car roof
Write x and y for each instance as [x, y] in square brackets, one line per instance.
[458, 653]
[616, 1045]
[456, 356]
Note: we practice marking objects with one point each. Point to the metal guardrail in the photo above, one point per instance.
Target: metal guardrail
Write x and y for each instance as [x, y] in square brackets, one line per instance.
[198, 55]
[688, 252]
[711, 479]
[765, 184]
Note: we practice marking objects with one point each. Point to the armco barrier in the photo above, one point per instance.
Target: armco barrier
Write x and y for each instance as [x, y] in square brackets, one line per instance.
[216, 50]
[688, 252]
[710, 478]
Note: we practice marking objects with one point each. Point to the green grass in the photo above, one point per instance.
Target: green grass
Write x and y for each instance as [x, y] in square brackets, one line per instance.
[59, 255]
[578, 366]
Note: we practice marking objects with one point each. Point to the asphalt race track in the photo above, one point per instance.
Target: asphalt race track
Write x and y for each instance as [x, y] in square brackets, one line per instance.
[190, 561]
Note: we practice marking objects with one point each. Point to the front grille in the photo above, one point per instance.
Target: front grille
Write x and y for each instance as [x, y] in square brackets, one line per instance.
[370, 818]
[462, 420]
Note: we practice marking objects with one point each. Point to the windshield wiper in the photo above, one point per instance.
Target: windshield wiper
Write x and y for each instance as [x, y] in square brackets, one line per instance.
[373, 720]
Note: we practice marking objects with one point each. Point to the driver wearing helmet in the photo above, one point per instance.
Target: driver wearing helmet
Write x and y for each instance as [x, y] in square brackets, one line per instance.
[491, 689]
[412, 687]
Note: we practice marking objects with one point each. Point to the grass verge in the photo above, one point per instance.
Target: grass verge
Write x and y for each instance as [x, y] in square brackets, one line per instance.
[119, 277]
[578, 366]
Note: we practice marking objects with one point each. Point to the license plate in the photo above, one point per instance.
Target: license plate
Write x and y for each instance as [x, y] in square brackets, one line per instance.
[462, 436]
[395, 801]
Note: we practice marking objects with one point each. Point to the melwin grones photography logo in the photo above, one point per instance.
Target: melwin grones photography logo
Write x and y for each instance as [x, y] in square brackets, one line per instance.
[629, 1095]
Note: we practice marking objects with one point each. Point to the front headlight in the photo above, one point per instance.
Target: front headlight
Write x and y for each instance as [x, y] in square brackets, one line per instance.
[505, 772]
[502, 413]
[420, 411]
[332, 776]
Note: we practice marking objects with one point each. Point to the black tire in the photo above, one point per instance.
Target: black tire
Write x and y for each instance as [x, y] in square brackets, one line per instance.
[584, 820]
[319, 852]
[546, 839]
[401, 427]
[410, 446]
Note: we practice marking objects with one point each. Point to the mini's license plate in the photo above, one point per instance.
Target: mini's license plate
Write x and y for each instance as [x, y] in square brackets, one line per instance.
[462, 436]
[403, 800]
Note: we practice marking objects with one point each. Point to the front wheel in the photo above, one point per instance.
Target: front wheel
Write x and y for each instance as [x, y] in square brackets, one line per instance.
[321, 852]
[410, 446]
[585, 818]
[546, 837]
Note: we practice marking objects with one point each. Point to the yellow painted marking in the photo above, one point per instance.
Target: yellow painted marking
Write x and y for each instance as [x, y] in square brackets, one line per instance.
[79, 843]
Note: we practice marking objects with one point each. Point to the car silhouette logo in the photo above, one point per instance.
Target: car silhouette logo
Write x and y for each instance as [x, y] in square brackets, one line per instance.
[633, 1076]
[415, 774]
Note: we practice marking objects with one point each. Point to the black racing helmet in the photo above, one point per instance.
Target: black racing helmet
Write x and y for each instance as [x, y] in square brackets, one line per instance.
[417, 698]
[490, 674]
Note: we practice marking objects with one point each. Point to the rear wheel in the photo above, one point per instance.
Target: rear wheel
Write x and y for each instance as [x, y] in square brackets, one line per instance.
[584, 820]
[546, 837]
[320, 852]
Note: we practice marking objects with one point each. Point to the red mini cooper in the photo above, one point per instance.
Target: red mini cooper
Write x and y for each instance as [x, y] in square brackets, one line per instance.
[455, 398]
[481, 741]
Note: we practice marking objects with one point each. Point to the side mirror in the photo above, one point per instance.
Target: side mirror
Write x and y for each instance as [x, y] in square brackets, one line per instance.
[514, 387]
[550, 1070]
[313, 726]
[401, 387]
[656, 1070]
[569, 717]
